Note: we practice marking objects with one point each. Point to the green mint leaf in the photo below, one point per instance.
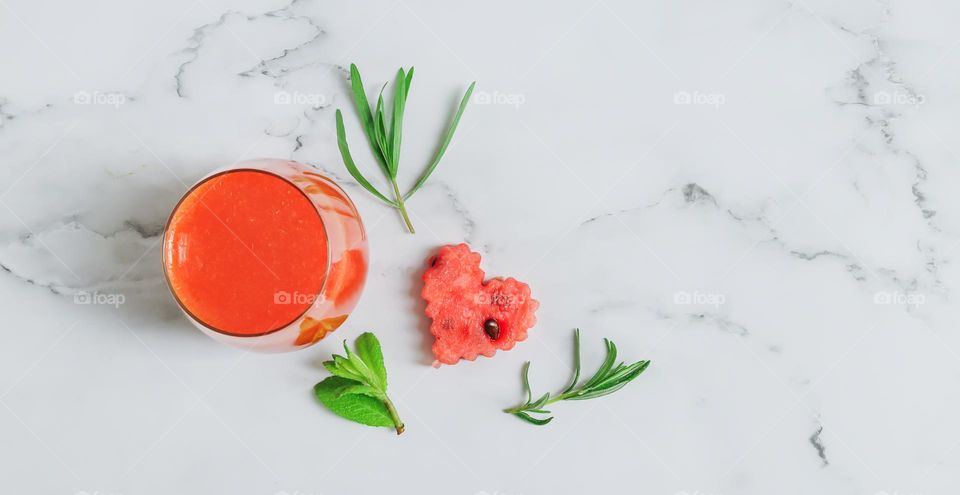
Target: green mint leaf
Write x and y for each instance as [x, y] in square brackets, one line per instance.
[361, 389]
[369, 376]
[348, 366]
[368, 349]
[359, 408]
[336, 370]
[358, 388]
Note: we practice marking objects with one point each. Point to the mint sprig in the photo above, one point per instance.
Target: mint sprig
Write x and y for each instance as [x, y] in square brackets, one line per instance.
[385, 140]
[607, 380]
[358, 388]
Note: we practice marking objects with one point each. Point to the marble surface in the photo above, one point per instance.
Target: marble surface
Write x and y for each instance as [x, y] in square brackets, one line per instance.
[757, 196]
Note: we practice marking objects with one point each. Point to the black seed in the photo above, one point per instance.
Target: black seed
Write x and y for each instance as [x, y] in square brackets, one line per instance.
[492, 328]
[433, 261]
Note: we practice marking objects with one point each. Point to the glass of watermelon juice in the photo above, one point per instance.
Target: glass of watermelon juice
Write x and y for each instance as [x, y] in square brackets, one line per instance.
[266, 254]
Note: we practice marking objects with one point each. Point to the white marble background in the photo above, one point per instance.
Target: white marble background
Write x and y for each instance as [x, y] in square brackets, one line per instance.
[758, 196]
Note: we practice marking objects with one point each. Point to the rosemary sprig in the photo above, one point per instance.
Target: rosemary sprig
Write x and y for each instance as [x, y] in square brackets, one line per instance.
[607, 380]
[385, 141]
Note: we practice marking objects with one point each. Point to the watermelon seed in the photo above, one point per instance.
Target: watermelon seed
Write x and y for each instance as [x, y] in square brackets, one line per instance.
[492, 328]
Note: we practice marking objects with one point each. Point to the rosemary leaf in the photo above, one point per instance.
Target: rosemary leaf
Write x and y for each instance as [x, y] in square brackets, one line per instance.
[607, 380]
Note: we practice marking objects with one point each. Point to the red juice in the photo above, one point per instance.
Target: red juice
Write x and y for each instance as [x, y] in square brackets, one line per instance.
[271, 249]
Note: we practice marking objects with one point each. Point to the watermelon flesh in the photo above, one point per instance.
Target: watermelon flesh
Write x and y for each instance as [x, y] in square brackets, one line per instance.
[470, 316]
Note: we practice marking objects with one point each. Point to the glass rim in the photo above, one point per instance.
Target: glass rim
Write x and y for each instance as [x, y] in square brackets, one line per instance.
[166, 274]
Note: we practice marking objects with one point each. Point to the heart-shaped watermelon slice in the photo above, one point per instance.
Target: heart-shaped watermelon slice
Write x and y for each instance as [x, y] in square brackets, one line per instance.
[473, 317]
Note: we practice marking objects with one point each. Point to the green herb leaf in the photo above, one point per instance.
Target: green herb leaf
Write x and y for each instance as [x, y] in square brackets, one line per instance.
[396, 123]
[348, 368]
[356, 363]
[368, 348]
[576, 361]
[607, 380]
[336, 369]
[407, 82]
[355, 407]
[363, 108]
[351, 166]
[380, 132]
[361, 389]
[443, 146]
[385, 141]
[530, 419]
[605, 367]
[526, 381]
[358, 388]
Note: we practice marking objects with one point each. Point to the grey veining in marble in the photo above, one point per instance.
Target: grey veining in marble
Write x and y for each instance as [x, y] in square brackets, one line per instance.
[757, 196]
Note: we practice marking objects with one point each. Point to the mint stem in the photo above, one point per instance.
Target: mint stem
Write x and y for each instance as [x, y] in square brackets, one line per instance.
[393, 415]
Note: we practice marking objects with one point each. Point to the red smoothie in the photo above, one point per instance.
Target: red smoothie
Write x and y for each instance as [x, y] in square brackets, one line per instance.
[245, 252]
